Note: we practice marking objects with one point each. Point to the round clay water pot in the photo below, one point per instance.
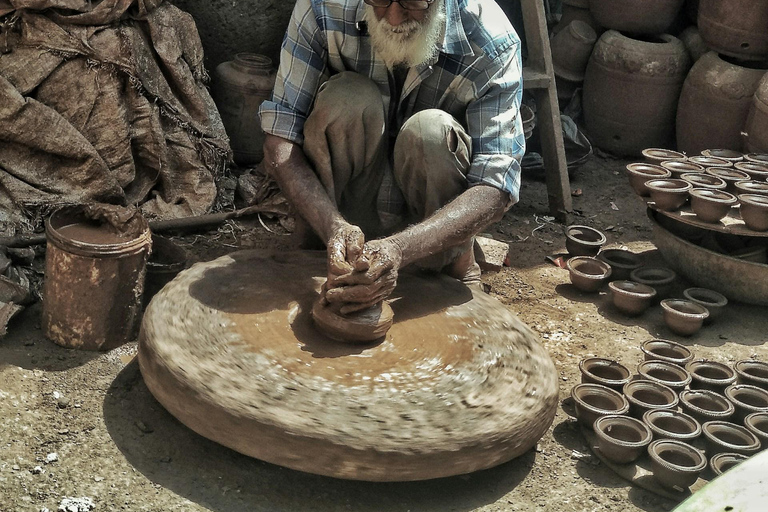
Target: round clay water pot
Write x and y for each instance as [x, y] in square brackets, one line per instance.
[757, 171]
[680, 167]
[636, 16]
[639, 173]
[714, 302]
[583, 240]
[622, 439]
[722, 436]
[631, 88]
[669, 374]
[668, 194]
[757, 423]
[755, 139]
[660, 279]
[722, 462]
[754, 211]
[702, 180]
[588, 274]
[631, 298]
[760, 158]
[606, 372]
[754, 373]
[726, 154]
[729, 176]
[667, 351]
[592, 401]
[711, 205]
[658, 155]
[621, 261]
[735, 27]
[705, 405]
[752, 187]
[669, 424]
[571, 49]
[710, 375]
[746, 399]
[675, 465]
[646, 395]
[683, 317]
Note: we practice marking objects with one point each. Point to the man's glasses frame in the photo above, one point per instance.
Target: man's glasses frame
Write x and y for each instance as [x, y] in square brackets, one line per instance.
[408, 5]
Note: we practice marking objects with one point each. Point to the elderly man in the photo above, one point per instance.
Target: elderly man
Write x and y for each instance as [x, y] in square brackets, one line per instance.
[394, 131]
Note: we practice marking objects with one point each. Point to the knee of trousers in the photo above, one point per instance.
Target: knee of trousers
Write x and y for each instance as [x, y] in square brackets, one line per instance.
[430, 131]
[348, 94]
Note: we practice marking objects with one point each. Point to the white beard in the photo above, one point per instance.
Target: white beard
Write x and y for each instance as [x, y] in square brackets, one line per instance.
[411, 43]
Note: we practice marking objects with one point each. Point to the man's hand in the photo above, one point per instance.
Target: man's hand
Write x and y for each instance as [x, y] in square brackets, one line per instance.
[344, 250]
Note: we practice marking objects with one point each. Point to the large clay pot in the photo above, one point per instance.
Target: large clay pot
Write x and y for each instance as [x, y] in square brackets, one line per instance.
[636, 16]
[756, 127]
[714, 104]
[738, 28]
[573, 10]
[631, 90]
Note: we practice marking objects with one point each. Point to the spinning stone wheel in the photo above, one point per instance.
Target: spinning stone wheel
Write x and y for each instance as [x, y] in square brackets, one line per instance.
[458, 384]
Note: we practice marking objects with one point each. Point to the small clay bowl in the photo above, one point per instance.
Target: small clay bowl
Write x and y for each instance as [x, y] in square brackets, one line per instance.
[639, 173]
[757, 423]
[729, 176]
[754, 211]
[646, 395]
[622, 262]
[592, 401]
[631, 298]
[710, 161]
[711, 205]
[669, 424]
[680, 167]
[658, 155]
[668, 374]
[710, 375]
[757, 171]
[683, 317]
[668, 194]
[675, 465]
[722, 436]
[722, 462]
[752, 187]
[588, 274]
[703, 180]
[760, 158]
[754, 373]
[667, 351]
[710, 299]
[726, 154]
[704, 405]
[597, 370]
[622, 439]
[583, 240]
[746, 399]
[660, 279]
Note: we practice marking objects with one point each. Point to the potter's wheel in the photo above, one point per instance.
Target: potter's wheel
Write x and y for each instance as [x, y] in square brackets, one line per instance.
[458, 384]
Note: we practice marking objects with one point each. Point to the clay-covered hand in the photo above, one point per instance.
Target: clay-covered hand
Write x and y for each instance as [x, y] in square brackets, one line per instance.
[374, 280]
[344, 250]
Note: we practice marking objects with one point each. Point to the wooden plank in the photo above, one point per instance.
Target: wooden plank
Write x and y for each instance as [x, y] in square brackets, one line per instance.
[534, 79]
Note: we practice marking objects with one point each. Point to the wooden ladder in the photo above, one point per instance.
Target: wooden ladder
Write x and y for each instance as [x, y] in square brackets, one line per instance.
[539, 77]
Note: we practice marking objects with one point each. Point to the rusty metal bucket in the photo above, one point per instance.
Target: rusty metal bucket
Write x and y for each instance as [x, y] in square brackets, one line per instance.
[94, 279]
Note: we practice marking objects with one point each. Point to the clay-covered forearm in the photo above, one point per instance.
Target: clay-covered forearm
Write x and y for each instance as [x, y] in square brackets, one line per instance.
[286, 163]
[455, 223]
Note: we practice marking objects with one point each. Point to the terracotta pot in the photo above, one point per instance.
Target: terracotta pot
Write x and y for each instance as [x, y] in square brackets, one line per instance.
[675, 465]
[754, 211]
[571, 13]
[722, 462]
[669, 374]
[668, 424]
[639, 173]
[726, 154]
[752, 372]
[645, 395]
[703, 180]
[636, 16]
[751, 187]
[705, 405]
[710, 161]
[756, 126]
[693, 42]
[756, 170]
[735, 27]
[608, 373]
[583, 240]
[668, 194]
[710, 375]
[660, 279]
[592, 401]
[587, 273]
[622, 439]
[760, 158]
[667, 351]
[621, 261]
[658, 155]
[680, 167]
[721, 436]
[711, 205]
[746, 399]
[571, 49]
[683, 317]
[757, 423]
[631, 298]
[729, 176]
[631, 89]
[714, 302]
[714, 104]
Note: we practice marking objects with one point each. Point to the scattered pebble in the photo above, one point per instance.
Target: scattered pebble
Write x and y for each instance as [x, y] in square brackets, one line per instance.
[64, 431]
[76, 505]
[37, 470]
[56, 395]
[165, 459]
[51, 457]
[98, 479]
[15, 467]
[29, 343]
[62, 402]
[144, 427]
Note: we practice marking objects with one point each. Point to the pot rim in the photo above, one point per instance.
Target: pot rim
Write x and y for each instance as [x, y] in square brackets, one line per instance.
[753, 362]
[711, 194]
[715, 460]
[667, 305]
[649, 417]
[600, 242]
[730, 394]
[711, 161]
[693, 179]
[645, 348]
[749, 423]
[637, 275]
[611, 382]
[727, 425]
[753, 184]
[718, 299]
[675, 165]
[737, 156]
[641, 368]
[571, 265]
[685, 401]
[682, 185]
[626, 420]
[635, 168]
[597, 389]
[727, 174]
[646, 292]
[653, 449]
[709, 380]
[663, 154]
[756, 200]
[665, 390]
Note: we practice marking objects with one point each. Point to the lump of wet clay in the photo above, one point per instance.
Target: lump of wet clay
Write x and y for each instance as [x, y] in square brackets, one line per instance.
[359, 327]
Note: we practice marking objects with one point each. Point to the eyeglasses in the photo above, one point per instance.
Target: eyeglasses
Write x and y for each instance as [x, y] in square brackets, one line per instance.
[409, 5]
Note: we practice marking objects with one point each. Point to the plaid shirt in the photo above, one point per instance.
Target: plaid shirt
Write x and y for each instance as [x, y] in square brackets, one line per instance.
[477, 78]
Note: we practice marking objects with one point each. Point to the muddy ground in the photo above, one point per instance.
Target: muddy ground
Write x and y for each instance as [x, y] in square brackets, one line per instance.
[113, 443]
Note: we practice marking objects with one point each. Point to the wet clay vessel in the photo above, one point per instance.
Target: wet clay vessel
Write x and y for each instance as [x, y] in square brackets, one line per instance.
[722, 462]
[703, 180]
[714, 302]
[680, 167]
[359, 327]
[675, 465]
[704, 405]
[588, 274]
[592, 401]
[660, 279]
[622, 439]
[711, 205]
[583, 240]
[667, 351]
[668, 194]
[631, 298]
[757, 423]
[683, 317]
[669, 374]
[645, 395]
[760, 158]
[658, 155]
[726, 154]
[639, 173]
[754, 211]
[622, 262]
[596, 370]
[710, 375]
[729, 176]
[752, 187]
[746, 399]
[756, 170]
[722, 436]
[669, 424]
[754, 373]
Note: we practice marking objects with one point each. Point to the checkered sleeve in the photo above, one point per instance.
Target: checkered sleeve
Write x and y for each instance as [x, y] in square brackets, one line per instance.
[494, 124]
[302, 69]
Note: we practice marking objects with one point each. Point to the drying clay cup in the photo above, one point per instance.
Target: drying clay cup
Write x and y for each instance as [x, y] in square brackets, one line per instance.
[754, 211]
[678, 167]
[639, 173]
[751, 187]
[683, 317]
[702, 180]
[721, 436]
[587, 273]
[645, 395]
[605, 372]
[704, 405]
[754, 373]
[675, 465]
[746, 399]
[729, 176]
[583, 240]
[658, 155]
[631, 298]
[710, 375]
[668, 194]
[711, 161]
[669, 424]
[722, 462]
[714, 302]
[592, 401]
[660, 279]
[622, 262]
[667, 351]
[668, 374]
[757, 423]
[725, 154]
[622, 439]
[711, 205]
[759, 158]
[358, 327]
[757, 171]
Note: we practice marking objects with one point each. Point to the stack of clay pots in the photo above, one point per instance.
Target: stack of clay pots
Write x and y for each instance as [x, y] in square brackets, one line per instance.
[692, 413]
[571, 49]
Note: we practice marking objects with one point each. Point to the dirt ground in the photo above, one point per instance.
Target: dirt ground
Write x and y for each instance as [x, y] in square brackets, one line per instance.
[113, 443]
